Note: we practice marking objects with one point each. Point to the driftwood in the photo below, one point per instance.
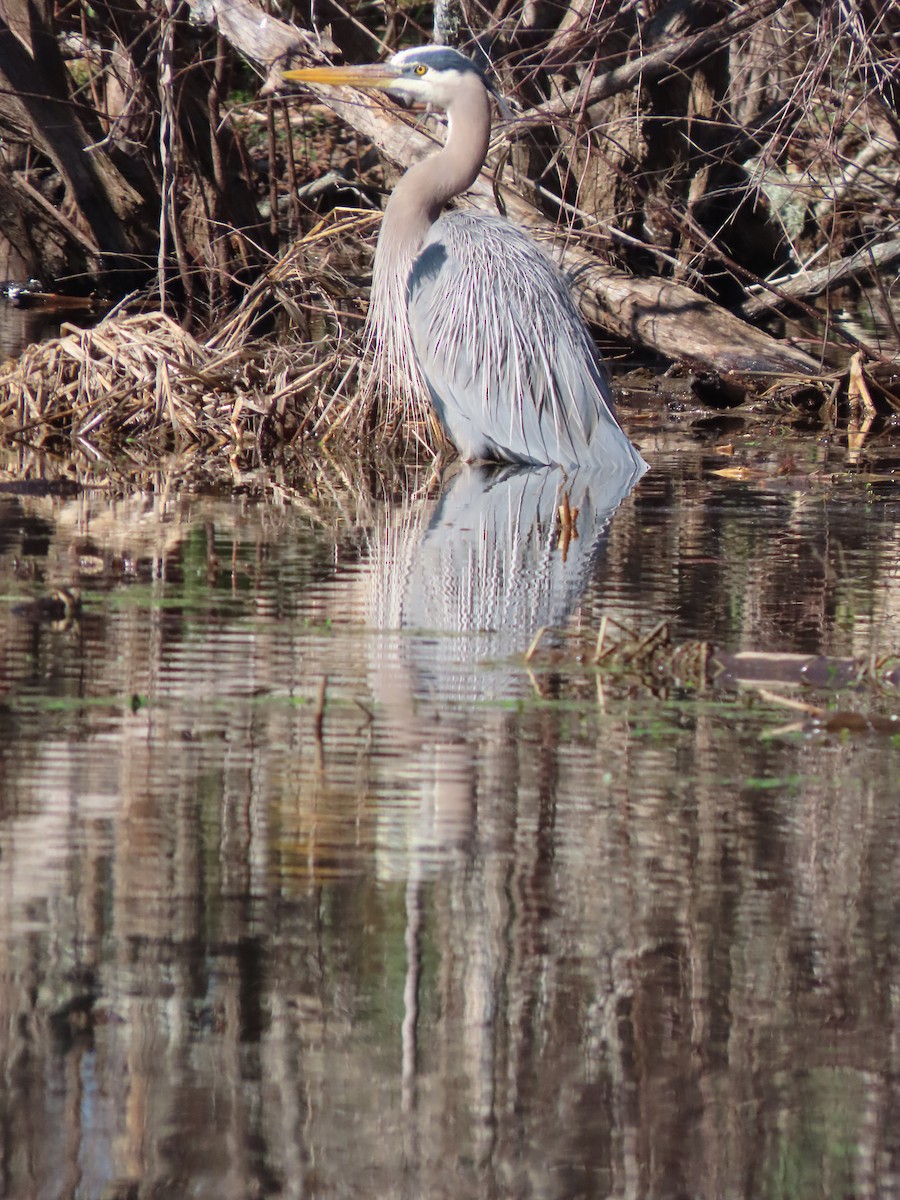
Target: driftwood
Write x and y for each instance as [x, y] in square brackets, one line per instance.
[656, 63]
[758, 668]
[653, 658]
[812, 283]
[666, 317]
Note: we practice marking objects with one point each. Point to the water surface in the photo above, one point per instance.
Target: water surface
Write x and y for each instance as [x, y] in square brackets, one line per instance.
[310, 885]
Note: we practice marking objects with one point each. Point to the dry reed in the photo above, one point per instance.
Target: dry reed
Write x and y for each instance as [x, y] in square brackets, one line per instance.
[285, 368]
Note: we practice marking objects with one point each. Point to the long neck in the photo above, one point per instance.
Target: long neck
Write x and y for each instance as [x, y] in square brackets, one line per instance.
[423, 191]
[413, 208]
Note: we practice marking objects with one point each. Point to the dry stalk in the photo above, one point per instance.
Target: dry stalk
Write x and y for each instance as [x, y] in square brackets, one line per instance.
[142, 377]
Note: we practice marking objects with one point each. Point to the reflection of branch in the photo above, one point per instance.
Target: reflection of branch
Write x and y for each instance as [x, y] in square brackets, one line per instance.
[658, 63]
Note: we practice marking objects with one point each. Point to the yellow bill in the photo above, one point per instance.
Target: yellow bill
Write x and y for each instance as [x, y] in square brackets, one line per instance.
[377, 75]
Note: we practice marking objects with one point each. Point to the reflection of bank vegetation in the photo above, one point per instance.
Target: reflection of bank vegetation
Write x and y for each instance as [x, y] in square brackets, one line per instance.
[526, 947]
[627, 659]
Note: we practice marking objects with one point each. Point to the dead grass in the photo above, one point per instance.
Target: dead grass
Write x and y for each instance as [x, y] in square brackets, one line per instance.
[285, 369]
[127, 376]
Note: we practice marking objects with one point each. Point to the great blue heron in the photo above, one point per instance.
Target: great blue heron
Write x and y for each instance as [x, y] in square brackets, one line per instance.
[469, 304]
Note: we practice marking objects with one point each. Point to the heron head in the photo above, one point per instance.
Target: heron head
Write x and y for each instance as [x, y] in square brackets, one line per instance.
[422, 74]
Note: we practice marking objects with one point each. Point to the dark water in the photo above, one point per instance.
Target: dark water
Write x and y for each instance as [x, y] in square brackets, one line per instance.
[311, 886]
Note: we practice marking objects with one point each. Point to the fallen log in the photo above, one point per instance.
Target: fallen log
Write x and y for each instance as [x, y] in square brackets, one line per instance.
[653, 657]
[759, 669]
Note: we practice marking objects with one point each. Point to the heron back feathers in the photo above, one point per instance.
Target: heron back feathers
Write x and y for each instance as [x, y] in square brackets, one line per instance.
[510, 365]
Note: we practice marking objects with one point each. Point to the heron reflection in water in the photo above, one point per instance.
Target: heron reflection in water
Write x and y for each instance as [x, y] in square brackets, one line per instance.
[469, 304]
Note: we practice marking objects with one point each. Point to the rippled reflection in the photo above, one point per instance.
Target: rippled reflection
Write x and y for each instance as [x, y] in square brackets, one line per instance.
[306, 889]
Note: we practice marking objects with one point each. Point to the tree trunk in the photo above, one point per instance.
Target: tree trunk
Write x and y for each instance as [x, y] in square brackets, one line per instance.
[33, 105]
[92, 193]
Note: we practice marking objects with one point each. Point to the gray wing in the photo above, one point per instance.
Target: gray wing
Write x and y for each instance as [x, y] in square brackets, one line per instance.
[510, 365]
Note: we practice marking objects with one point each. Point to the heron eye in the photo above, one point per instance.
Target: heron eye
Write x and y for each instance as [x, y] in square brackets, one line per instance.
[421, 69]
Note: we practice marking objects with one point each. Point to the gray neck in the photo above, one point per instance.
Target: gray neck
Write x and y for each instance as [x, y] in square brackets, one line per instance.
[423, 191]
[411, 211]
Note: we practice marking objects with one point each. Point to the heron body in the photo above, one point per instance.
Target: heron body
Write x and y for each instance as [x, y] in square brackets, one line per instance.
[519, 381]
[470, 308]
